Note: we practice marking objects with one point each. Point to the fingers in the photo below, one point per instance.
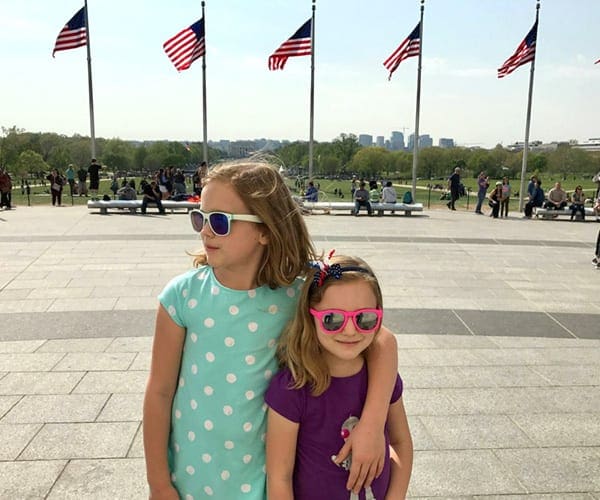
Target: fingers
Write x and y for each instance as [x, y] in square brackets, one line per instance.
[342, 454]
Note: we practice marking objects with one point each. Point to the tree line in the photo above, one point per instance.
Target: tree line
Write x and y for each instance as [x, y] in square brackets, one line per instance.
[26, 154]
[30, 154]
[344, 156]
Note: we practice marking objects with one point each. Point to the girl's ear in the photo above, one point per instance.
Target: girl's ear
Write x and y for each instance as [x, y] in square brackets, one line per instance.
[263, 237]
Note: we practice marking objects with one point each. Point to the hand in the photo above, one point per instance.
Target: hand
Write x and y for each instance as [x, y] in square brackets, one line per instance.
[368, 456]
[167, 493]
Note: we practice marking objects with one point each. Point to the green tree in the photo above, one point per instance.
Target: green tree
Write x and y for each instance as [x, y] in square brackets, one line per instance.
[30, 163]
[117, 155]
[345, 147]
[371, 162]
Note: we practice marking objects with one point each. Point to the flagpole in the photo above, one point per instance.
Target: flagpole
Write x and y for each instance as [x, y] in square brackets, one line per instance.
[528, 120]
[204, 121]
[418, 109]
[90, 89]
[312, 92]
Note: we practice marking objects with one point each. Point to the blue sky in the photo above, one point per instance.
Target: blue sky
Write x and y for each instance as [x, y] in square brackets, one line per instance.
[139, 95]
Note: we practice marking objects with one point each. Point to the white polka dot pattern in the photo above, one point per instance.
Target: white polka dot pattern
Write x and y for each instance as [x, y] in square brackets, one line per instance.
[227, 362]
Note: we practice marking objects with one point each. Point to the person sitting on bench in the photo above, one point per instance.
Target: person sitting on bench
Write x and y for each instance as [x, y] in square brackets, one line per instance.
[557, 198]
[312, 193]
[152, 195]
[361, 199]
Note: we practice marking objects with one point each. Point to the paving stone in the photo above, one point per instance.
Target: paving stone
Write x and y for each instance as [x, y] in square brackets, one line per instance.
[103, 479]
[502, 376]
[460, 472]
[428, 377]
[112, 382]
[28, 480]
[30, 362]
[131, 344]
[122, 407]
[141, 362]
[546, 470]
[558, 429]
[76, 345]
[421, 439]
[570, 375]
[39, 382]
[561, 496]
[440, 357]
[137, 447]
[95, 361]
[6, 403]
[460, 432]
[524, 400]
[428, 402]
[14, 437]
[56, 408]
[20, 346]
[91, 440]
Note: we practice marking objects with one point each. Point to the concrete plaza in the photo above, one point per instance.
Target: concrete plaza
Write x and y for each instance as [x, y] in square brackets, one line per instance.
[497, 322]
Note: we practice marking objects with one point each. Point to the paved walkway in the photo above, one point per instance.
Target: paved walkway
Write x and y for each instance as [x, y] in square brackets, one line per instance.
[498, 325]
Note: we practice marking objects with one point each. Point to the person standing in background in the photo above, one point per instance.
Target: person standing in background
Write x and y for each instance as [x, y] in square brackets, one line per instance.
[454, 188]
[482, 186]
[94, 171]
[56, 187]
[506, 192]
[5, 189]
[70, 175]
[82, 189]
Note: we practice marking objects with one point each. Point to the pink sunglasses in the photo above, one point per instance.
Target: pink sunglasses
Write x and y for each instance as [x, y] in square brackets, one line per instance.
[335, 320]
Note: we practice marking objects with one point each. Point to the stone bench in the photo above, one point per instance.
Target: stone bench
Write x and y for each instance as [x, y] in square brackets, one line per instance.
[348, 206]
[548, 213]
[132, 206]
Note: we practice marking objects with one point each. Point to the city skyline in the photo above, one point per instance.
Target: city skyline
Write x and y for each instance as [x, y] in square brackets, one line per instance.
[139, 95]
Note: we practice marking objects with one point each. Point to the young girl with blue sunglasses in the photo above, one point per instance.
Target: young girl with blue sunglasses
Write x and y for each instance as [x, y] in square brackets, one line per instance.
[316, 400]
[215, 342]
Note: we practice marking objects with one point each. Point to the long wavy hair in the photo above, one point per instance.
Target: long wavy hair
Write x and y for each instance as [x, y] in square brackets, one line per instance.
[299, 348]
[263, 191]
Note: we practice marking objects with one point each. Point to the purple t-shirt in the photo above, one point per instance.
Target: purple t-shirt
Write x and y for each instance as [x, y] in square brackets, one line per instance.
[321, 420]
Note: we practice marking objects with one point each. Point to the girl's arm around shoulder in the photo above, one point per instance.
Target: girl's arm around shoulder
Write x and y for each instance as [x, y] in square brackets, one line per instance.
[282, 436]
[367, 440]
[401, 451]
[162, 382]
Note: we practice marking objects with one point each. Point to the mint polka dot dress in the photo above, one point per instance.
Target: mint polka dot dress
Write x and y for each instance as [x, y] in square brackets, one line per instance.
[218, 418]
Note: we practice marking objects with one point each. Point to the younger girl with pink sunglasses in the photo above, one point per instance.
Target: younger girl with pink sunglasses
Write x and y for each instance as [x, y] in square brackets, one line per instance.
[317, 398]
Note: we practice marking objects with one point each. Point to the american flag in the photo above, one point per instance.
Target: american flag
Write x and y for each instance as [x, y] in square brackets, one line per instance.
[300, 44]
[73, 35]
[186, 46]
[408, 48]
[525, 53]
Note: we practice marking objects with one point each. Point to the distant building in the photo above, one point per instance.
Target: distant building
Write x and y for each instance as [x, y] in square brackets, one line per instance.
[445, 142]
[592, 144]
[241, 149]
[425, 141]
[397, 141]
[380, 141]
[365, 140]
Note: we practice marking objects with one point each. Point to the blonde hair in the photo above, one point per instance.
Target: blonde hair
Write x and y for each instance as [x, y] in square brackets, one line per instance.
[299, 348]
[264, 192]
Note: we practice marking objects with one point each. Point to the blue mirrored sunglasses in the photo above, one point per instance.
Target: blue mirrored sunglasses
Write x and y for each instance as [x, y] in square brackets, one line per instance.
[219, 222]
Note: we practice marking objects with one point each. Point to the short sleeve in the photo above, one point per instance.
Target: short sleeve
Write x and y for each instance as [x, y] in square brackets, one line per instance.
[174, 297]
[398, 390]
[285, 400]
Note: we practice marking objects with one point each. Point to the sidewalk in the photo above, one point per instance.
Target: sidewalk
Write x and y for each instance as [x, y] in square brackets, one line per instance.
[497, 321]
